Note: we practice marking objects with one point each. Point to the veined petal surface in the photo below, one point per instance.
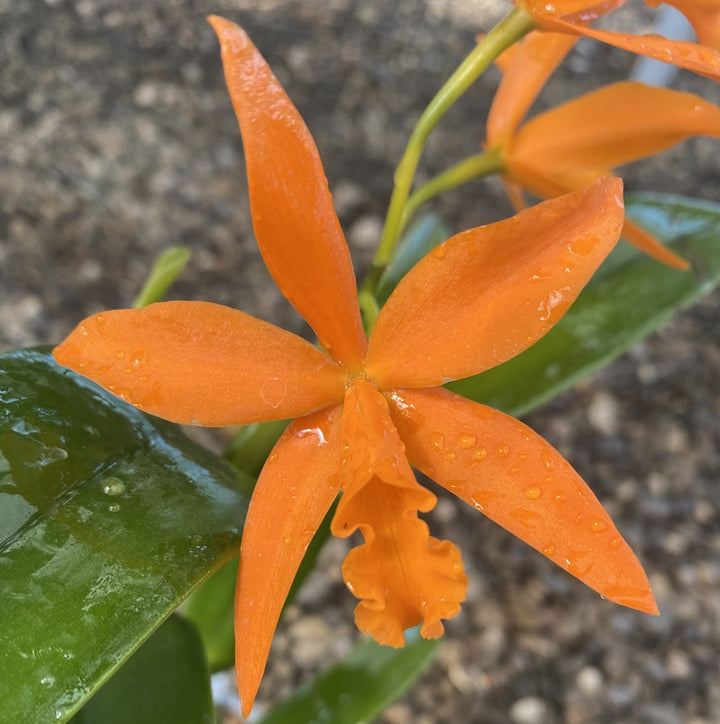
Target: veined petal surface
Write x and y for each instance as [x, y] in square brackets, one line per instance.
[487, 294]
[297, 229]
[502, 468]
[199, 363]
[402, 575]
[611, 126]
[295, 490]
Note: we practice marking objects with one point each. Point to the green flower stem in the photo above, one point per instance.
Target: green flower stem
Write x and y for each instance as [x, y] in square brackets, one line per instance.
[482, 164]
[503, 35]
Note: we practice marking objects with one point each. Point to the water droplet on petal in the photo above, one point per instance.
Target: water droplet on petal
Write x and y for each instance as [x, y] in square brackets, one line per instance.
[439, 251]
[598, 526]
[480, 454]
[616, 542]
[437, 440]
[533, 493]
[548, 550]
[114, 507]
[559, 498]
[120, 355]
[287, 540]
[466, 441]
[450, 456]
[583, 245]
[502, 450]
[528, 518]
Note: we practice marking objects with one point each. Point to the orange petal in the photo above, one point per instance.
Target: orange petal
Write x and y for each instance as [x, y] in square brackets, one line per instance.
[295, 223]
[533, 61]
[199, 363]
[294, 492]
[501, 467]
[586, 9]
[614, 125]
[651, 246]
[402, 575]
[704, 16]
[487, 294]
[698, 58]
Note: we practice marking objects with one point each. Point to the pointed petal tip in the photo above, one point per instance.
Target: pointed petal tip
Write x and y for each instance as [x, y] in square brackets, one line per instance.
[228, 33]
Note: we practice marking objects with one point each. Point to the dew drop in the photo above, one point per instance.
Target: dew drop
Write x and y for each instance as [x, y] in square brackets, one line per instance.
[273, 391]
[533, 493]
[482, 499]
[287, 540]
[546, 459]
[528, 518]
[120, 355]
[502, 450]
[480, 454]
[114, 507]
[437, 440]
[548, 550]
[583, 245]
[598, 526]
[450, 456]
[559, 498]
[615, 542]
[47, 681]
[466, 441]
[514, 470]
[113, 486]
[439, 251]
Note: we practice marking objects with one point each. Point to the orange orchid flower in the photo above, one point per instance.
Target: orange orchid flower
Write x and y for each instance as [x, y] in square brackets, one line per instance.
[574, 144]
[369, 409]
[574, 16]
[703, 15]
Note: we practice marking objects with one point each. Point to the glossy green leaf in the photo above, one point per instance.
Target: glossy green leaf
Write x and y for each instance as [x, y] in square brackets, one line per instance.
[166, 269]
[419, 240]
[630, 297]
[108, 519]
[357, 688]
[165, 681]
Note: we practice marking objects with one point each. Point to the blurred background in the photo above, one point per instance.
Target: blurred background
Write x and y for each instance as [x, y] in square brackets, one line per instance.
[117, 140]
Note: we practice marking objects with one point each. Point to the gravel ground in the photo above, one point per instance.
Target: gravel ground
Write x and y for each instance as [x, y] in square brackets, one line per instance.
[117, 140]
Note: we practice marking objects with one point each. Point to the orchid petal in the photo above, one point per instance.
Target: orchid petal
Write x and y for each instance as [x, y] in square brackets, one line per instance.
[704, 16]
[692, 56]
[611, 126]
[587, 10]
[199, 363]
[487, 294]
[502, 468]
[297, 230]
[533, 61]
[402, 575]
[647, 243]
[295, 490]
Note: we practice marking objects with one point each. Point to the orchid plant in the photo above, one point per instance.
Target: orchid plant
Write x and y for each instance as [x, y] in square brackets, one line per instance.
[406, 371]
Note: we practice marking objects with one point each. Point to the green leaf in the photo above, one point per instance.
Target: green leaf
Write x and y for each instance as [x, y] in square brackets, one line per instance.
[168, 266]
[211, 609]
[108, 519]
[420, 239]
[360, 686]
[629, 298]
[165, 680]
